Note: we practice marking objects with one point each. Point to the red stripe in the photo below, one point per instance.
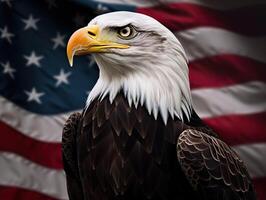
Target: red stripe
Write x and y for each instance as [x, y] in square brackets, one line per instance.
[240, 129]
[182, 16]
[13, 193]
[43, 153]
[260, 187]
[222, 70]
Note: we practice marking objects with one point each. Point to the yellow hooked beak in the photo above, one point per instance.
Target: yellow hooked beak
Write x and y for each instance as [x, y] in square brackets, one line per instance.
[87, 40]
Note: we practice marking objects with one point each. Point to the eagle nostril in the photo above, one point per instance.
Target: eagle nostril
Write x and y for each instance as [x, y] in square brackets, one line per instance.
[91, 33]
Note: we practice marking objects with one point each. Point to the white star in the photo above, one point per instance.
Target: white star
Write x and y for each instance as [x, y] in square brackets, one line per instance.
[31, 22]
[8, 2]
[6, 35]
[51, 4]
[62, 77]
[101, 8]
[58, 41]
[33, 59]
[79, 20]
[33, 95]
[8, 69]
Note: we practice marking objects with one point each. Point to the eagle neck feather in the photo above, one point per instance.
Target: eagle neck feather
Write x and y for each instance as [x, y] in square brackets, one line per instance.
[162, 90]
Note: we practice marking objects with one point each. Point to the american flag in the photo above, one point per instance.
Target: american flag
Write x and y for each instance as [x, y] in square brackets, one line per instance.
[226, 46]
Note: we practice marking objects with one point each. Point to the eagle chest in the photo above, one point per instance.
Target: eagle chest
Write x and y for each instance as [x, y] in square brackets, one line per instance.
[124, 151]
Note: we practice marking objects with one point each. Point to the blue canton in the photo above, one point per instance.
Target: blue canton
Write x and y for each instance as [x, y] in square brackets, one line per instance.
[34, 71]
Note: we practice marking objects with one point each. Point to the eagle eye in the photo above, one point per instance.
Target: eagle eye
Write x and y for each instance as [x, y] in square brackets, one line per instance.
[127, 32]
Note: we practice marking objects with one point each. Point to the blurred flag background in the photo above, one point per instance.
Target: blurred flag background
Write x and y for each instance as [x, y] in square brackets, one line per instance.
[225, 42]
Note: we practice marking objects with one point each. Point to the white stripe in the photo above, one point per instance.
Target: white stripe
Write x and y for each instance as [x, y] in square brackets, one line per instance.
[221, 5]
[248, 98]
[205, 41]
[19, 172]
[254, 157]
[40, 127]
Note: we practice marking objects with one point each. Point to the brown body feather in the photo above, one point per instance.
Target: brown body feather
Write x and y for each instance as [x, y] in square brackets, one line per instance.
[114, 151]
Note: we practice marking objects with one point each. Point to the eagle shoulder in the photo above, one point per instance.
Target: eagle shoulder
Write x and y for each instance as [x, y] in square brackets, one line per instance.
[212, 167]
[70, 157]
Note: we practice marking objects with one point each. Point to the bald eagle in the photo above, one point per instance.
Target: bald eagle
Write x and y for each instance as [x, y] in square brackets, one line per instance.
[138, 136]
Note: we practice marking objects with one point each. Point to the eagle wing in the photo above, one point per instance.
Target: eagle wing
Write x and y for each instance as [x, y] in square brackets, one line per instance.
[213, 168]
[74, 186]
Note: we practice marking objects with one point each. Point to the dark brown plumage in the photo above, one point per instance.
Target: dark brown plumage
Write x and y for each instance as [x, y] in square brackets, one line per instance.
[114, 151]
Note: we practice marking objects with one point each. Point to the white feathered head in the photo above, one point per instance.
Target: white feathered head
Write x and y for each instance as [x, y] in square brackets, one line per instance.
[138, 55]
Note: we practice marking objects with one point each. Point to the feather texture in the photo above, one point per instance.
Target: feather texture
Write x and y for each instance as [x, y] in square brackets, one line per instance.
[122, 152]
[69, 150]
[211, 165]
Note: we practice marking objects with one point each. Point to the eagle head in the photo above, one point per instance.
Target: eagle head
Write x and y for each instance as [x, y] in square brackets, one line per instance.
[138, 55]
